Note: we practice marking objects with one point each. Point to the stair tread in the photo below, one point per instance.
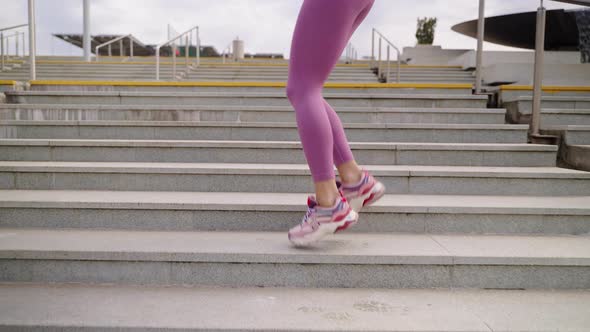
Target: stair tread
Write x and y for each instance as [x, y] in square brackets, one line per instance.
[250, 107]
[246, 94]
[290, 309]
[294, 169]
[137, 123]
[244, 201]
[273, 247]
[275, 144]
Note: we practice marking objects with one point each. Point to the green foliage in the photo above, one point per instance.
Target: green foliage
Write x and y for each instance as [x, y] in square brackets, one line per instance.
[425, 30]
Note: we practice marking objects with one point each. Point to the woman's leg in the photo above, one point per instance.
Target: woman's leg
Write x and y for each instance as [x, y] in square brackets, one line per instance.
[322, 31]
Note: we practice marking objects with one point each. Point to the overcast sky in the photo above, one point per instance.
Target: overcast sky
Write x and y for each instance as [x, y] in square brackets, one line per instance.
[264, 25]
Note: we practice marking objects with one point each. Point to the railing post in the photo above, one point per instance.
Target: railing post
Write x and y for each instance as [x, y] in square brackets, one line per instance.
[32, 47]
[2, 51]
[388, 65]
[479, 56]
[398, 66]
[186, 51]
[538, 74]
[173, 61]
[16, 50]
[121, 50]
[373, 48]
[157, 63]
[23, 34]
[110, 50]
[379, 61]
[131, 46]
[198, 48]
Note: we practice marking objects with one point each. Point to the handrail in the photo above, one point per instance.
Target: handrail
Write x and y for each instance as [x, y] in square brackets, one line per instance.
[188, 34]
[14, 27]
[16, 34]
[118, 39]
[389, 44]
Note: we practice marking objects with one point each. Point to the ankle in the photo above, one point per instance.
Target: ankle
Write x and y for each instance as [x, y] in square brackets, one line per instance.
[327, 200]
[351, 177]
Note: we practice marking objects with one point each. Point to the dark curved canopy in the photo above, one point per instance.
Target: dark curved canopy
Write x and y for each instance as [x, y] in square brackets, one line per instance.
[518, 30]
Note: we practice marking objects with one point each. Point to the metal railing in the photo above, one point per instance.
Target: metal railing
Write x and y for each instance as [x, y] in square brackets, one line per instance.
[188, 35]
[4, 49]
[535, 125]
[384, 78]
[121, 48]
[351, 53]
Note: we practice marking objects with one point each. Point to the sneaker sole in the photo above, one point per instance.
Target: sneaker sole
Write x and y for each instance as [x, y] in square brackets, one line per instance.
[325, 229]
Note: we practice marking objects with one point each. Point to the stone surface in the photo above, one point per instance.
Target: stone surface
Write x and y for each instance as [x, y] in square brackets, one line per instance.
[70, 307]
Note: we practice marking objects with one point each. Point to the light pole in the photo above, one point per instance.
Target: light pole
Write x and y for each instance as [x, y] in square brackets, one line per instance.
[86, 41]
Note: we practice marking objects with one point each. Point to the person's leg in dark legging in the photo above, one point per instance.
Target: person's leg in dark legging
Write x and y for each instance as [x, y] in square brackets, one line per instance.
[323, 30]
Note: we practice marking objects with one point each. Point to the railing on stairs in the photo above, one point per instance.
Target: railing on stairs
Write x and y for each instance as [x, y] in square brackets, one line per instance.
[121, 48]
[384, 78]
[351, 53]
[4, 49]
[188, 36]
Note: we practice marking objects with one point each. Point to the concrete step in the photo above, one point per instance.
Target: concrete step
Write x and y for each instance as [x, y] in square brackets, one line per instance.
[578, 156]
[575, 135]
[428, 180]
[275, 87]
[245, 113]
[267, 259]
[509, 94]
[521, 107]
[393, 73]
[242, 98]
[551, 117]
[261, 78]
[260, 131]
[277, 212]
[275, 152]
[268, 79]
[91, 307]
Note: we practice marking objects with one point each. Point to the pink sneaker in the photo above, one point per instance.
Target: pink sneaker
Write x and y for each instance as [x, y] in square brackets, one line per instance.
[321, 221]
[366, 192]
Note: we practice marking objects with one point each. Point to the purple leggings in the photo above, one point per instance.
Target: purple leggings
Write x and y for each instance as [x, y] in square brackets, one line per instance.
[322, 32]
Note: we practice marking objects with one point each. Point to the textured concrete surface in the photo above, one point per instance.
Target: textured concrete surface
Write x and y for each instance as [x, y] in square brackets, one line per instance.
[278, 131]
[267, 259]
[269, 99]
[269, 247]
[538, 181]
[193, 211]
[244, 113]
[275, 152]
[71, 307]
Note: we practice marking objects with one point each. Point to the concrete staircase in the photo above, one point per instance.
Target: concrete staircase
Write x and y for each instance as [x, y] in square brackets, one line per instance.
[425, 74]
[149, 209]
[212, 69]
[565, 113]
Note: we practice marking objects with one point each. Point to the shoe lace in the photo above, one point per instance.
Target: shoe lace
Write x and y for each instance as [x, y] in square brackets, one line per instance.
[307, 215]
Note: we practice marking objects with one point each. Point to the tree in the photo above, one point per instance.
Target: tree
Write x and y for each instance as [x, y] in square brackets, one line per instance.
[425, 30]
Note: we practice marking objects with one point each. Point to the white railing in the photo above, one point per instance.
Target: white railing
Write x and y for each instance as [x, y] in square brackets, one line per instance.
[121, 48]
[351, 53]
[379, 62]
[188, 36]
[4, 53]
